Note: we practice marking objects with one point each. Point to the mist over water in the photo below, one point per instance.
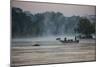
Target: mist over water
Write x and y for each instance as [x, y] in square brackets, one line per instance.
[42, 28]
[43, 41]
[43, 38]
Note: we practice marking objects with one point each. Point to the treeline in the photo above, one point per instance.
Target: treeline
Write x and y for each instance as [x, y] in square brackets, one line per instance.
[25, 24]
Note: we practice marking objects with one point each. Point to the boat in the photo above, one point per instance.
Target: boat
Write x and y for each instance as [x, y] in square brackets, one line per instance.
[68, 41]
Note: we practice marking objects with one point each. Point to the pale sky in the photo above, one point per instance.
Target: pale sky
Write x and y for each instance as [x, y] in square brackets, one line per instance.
[66, 9]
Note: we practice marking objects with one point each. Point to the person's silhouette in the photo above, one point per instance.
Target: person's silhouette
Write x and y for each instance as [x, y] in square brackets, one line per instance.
[75, 38]
[65, 39]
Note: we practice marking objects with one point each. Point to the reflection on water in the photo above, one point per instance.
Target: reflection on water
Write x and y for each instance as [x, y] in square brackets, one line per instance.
[51, 50]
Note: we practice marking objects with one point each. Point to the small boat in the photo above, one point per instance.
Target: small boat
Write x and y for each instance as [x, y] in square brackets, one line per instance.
[68, 41]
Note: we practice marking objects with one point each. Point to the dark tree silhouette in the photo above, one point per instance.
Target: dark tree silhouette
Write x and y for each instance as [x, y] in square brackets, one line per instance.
[85, 27]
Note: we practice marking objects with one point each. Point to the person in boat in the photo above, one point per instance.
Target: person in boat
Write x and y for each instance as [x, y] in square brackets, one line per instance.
[65, 39]
[75, 38]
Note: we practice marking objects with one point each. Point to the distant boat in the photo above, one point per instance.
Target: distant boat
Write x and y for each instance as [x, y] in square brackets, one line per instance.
[68, 41]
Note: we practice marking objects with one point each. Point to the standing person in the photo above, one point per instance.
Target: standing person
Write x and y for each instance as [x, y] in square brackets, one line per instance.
[75, 38]
[65, 39]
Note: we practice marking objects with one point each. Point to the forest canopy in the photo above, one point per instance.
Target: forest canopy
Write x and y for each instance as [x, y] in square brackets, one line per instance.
[26, 24]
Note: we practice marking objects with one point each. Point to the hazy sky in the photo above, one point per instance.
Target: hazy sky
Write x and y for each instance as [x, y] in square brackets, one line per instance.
[67, 10]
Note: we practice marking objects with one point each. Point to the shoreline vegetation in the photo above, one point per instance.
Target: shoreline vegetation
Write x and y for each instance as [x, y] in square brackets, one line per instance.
[26, 24]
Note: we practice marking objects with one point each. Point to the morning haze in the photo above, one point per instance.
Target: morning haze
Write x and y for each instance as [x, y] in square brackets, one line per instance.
[51, 34]
[67, 10]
